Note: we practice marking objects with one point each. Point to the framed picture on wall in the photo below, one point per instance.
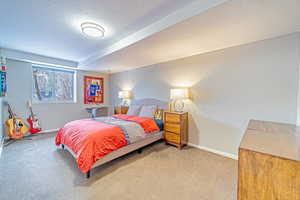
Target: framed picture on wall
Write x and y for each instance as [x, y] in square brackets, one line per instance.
[93, 90]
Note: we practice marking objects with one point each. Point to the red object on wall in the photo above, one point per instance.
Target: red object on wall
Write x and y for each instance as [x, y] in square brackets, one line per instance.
[93, 90]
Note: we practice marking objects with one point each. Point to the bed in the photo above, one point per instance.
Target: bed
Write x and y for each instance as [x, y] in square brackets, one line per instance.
[94, 142]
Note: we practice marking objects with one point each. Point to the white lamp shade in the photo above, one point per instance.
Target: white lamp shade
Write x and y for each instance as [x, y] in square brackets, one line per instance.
[124, 94]
[180, 93]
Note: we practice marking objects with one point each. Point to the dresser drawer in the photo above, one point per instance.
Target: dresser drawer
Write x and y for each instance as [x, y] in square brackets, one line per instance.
[172, 118]
[174, 128]
[172, 137]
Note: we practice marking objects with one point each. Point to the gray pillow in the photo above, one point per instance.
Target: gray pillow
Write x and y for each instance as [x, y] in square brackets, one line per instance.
[134, 110]
[148, 111]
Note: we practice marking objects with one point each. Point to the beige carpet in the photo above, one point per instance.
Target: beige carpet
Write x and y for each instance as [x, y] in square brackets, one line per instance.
[36, 169]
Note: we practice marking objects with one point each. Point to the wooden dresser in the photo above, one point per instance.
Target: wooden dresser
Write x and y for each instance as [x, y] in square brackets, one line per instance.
[269, 162]
[176, 128]
[121, 109]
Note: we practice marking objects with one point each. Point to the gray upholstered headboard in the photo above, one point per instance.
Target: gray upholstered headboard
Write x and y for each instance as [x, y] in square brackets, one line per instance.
[162, 105]
[144, 102]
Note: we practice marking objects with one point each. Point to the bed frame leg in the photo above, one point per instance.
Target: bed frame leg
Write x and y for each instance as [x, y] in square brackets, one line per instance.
[140, 151]
[88, 174]
[63, 146]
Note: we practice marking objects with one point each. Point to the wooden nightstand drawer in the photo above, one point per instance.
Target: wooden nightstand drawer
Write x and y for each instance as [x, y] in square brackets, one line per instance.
[121, 109]
[174, 128]
[172, 118]
[172, 137]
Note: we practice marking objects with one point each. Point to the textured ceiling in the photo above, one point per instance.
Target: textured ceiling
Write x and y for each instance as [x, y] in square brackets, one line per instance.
[232, 23]
[52, 27]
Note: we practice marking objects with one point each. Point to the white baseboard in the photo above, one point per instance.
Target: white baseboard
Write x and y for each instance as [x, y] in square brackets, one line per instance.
[50, 130]
[55, 130]
[228, 155]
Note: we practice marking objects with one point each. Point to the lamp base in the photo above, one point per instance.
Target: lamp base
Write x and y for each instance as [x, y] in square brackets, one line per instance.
[125, 102]
[178, 105]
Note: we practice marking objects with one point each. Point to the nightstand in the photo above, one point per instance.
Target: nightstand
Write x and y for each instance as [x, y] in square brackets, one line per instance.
[121, 109]
[176, 128]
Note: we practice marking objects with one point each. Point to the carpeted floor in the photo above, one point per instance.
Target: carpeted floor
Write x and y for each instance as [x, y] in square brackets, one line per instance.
[37, 170]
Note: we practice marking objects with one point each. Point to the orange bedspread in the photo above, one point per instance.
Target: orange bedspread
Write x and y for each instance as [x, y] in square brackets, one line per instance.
[148, 124]
[90, 140]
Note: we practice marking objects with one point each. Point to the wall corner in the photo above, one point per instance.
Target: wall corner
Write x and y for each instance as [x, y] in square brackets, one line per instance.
[298, 91]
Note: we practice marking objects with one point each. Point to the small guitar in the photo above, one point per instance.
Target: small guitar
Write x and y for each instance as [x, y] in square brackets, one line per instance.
[33, 121]
[15, 127]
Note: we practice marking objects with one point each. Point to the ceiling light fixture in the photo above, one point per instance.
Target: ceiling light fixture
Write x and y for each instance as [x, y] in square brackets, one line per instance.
[92, 29]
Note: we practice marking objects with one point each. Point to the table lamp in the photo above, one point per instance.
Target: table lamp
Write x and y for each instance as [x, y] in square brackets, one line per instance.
[125, 96]
[177, 96]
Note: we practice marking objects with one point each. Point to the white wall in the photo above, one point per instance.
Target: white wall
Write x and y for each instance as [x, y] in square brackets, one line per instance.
[52, 116]
[229, 87]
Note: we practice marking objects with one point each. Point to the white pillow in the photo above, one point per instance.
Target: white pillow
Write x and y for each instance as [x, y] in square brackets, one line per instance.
[148, 111]
[134, 110]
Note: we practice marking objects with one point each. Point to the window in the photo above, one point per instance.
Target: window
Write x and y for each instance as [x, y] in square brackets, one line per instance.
[52, 85]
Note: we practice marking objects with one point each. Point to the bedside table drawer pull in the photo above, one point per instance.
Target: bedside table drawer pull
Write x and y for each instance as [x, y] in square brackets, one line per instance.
[175, 128]
[171, 137]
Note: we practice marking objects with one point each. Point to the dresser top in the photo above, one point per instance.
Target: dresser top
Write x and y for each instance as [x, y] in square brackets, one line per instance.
[276, 139]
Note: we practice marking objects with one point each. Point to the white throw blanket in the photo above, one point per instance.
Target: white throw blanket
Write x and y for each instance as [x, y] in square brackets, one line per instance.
[133, 131]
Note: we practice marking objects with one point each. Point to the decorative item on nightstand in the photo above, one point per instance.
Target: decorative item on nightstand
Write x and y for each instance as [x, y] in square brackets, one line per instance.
[176, 128]
[125, 96]
[121, 109]
[177, 97]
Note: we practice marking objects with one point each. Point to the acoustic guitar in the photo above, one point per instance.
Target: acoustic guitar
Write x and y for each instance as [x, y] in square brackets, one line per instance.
[15, 127]
[34, 124]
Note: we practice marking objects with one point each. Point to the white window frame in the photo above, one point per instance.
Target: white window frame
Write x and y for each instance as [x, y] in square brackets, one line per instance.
[59, 69]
